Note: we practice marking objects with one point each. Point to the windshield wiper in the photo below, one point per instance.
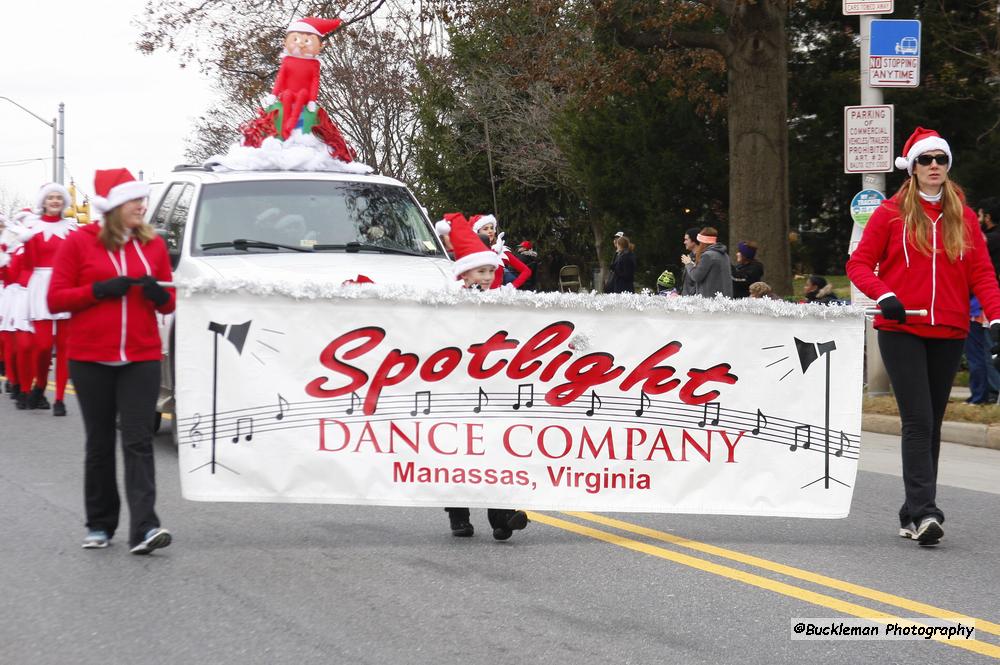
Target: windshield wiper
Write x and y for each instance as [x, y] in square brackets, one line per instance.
[245, 244]
[354, 247]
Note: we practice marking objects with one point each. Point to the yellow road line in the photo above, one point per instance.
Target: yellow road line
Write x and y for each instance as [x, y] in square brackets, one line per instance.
[790, 571]
[751, 579]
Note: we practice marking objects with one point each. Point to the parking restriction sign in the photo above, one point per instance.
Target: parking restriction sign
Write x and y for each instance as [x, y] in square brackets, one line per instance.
[852, 7]
[868, 139]
[894, 58]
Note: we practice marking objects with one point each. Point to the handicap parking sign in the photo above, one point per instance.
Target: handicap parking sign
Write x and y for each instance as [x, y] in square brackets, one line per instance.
[894, 56]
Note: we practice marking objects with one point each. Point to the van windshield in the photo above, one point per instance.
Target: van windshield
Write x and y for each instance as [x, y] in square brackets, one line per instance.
[311, 214]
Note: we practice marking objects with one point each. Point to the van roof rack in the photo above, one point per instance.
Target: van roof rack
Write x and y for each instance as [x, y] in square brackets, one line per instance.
[189, 167]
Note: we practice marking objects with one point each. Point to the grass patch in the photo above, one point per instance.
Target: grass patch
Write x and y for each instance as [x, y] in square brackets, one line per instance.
[885, 405]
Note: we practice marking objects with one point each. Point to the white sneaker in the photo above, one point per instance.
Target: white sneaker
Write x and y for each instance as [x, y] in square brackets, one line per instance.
[155, 539]
[929, 532]
[908, 531]
[95, 540]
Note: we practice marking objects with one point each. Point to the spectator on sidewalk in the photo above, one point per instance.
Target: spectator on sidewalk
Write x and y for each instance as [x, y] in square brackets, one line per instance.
[817, 289]
[747, 269]
[762, 290]
[690, 244]
[710, 268]
[622, 279]
[977, 356]
[529, 257]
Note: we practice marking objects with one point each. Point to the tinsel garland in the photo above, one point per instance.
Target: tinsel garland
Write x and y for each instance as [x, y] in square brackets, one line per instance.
[646, 301]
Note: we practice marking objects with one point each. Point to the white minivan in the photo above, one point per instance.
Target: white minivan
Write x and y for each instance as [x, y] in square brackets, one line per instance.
[278, 224]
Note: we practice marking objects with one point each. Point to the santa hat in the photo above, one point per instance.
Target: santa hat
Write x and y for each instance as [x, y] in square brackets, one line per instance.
[114, 187]
[49, 188]
[921, 141]
[479, 221]
[526, 244]
[470, 251]
[314, 26]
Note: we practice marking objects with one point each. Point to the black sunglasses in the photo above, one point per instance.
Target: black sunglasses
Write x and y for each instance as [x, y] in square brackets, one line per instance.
[925, 160]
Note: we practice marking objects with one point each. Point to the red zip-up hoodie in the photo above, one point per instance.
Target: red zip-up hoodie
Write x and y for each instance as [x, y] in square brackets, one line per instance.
[109, 329]
[922, 281]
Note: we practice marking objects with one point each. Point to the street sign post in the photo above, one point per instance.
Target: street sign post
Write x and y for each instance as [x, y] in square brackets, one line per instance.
[853, 7]
[868, 139]
[894, 54]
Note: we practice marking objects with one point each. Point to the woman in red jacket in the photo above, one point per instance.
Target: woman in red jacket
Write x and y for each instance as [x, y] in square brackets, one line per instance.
[929, 254]
[106, 274]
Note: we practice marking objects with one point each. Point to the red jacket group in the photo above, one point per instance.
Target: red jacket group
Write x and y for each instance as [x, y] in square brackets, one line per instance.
[922, 281]
[110, 329]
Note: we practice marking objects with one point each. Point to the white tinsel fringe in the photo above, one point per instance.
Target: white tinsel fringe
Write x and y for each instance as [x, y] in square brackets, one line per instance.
[299, 152]
[307, 289]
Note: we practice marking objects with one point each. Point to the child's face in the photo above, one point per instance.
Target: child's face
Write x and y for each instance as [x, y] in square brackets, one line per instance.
[489, 230]
[302, 44]
[481, 277]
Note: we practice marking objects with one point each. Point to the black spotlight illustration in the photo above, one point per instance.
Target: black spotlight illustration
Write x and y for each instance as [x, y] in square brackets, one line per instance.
[237, 335]
[808, 353]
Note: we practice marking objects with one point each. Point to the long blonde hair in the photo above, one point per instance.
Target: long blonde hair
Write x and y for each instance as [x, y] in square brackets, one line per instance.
[918, 224]
[113, 229]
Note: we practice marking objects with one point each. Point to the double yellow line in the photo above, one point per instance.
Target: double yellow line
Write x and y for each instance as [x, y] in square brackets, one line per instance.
[762, 582]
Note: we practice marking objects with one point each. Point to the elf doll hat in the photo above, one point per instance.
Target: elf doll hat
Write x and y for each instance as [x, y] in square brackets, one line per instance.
[114, 187]
[921, 141]
[470, 252]
[314, 26]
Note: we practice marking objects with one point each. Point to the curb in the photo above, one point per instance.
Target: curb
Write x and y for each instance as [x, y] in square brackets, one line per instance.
[969, 434]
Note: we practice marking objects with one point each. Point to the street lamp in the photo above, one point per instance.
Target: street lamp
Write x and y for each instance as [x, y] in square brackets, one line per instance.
[58, 136]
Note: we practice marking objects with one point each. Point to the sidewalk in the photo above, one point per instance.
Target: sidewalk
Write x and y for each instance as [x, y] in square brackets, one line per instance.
[969, 434]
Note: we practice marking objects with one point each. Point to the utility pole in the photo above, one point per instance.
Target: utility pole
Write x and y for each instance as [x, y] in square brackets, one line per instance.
[58, 135]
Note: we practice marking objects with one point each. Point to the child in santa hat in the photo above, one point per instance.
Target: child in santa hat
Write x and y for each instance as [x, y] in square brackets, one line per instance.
[514, 271]
[476, 264]
[15, 324]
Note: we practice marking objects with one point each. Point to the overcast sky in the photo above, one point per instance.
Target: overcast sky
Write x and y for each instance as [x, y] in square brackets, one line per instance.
[122, 108]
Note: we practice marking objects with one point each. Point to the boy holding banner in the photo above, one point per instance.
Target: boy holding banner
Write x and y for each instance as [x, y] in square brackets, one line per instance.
[476, 265]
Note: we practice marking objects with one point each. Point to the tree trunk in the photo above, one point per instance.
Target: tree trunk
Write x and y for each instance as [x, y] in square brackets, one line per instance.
[757, 66]
[598, 229]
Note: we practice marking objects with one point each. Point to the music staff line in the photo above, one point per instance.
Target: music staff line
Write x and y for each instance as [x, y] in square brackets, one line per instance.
[441, 400]
[458, 405]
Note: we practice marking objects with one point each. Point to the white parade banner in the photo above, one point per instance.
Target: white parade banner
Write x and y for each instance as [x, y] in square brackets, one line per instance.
[370, 395]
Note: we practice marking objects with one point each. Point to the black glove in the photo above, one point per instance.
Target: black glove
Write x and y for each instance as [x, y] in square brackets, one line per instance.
[995, 335]
[154, 291]
[116, 287]
[892, 309]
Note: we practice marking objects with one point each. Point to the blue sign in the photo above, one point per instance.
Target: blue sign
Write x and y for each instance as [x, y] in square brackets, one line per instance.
[895, 37]
[894, 56]
[864, 204]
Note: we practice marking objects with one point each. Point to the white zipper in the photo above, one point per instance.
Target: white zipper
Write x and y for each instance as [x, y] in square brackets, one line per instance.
[934, 254]
[121, 270]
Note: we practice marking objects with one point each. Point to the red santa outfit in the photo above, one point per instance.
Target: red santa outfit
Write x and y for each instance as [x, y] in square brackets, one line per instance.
[508, 259]
[297, 82]
[47, 234]
[16, 326]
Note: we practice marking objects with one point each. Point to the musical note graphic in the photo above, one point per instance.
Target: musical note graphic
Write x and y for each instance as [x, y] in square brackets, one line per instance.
[239, 423]
[594, 398]
[479, 402]
[354, 398]
[416, 399]
[194, 433]
[760, 416]
[282, 407]
[644, 401]
[840, 450]
[704, 415]
[531, 395]
[795, 442]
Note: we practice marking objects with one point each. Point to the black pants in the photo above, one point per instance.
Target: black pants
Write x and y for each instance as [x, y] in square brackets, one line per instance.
[921, 371]
[498, 517]
[128, 392]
